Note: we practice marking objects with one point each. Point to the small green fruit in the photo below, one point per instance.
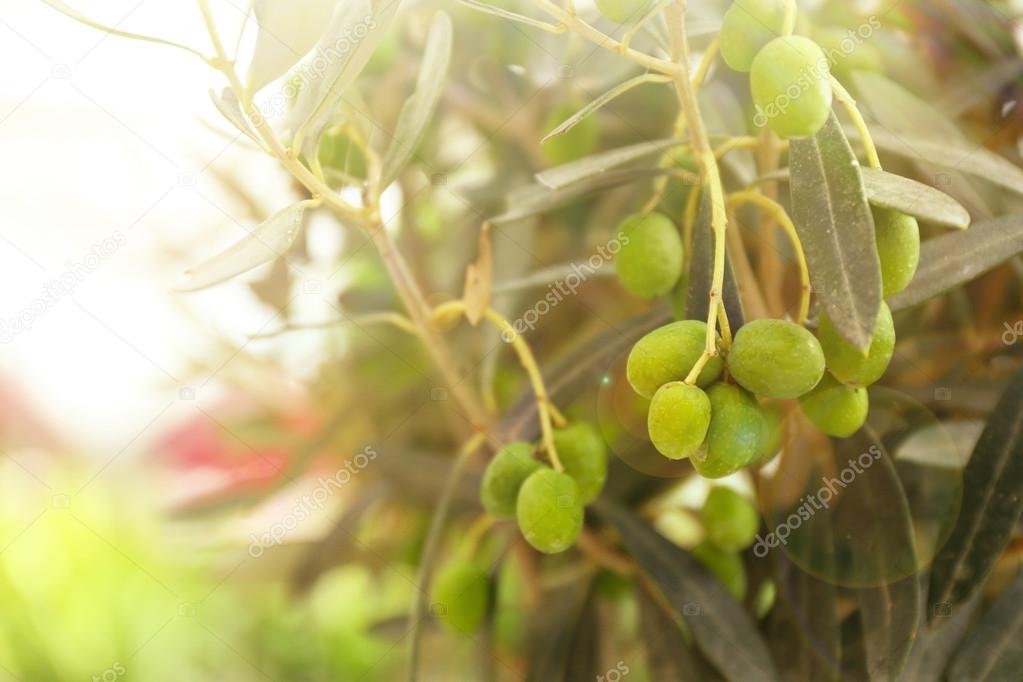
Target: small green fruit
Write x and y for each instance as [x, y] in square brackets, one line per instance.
[835, 408]
[848, 52]
[678, 419]
[726, 567]
[623, 11]
[550, 511]
[668, 354]
[580, 141]
[504, 475]
[774, 434]
[460, 594]
[581, 451]
[649, 262]
[776, 359]
[735, 437]
[898, 246]
[748, 26]
[730, 520]
[848, 363]
[791, 86]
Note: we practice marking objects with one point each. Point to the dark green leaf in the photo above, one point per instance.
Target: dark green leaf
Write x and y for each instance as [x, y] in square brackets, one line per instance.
[994, 649]
[670, 656]
[834, 222]
[584, 657]
[596, 164]
[701, 273]
[954, 259]
[536, 199]
[934, 648]
[721, 628]
[888, 190]
[553, 629]
[991, 505]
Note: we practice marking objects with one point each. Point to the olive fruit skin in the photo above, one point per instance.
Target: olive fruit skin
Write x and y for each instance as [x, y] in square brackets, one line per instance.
[668, 354]
[678, 419]
[848, 52]
[460, 595]
[776, 359]
[504, 475]
[581, 451]
[835, 408]
[623, 11]
[549, 511]
[726, 567]
[730, 520]
[649, 262]
[580, 141]
[848, 363]
[748, 26]
[735, 437]
[898, 247]
[785, 66]
[774, 432]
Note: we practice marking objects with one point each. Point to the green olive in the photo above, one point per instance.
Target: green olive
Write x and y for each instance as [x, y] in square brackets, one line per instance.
[504, 475]
[774, 435]
[549, 511]
[791, 86]
[678, 419]
[735, 437]
[776, 359]
[726, 567]
[668, 354]
[623, 11]
[748, 26]
[580, 141]
[835, 408]
[730, 520]
[583, 454]
[460, 595]
[848, 363]
[848, 52]
[649, 262]
[898, 247]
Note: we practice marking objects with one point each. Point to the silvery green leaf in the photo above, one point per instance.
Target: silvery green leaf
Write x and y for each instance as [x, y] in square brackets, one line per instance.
[888, 190]
[288, 29]
[536, 199]
[601, 100]
[418, 110]
[268, 241]
[596, 164]
[227, 104]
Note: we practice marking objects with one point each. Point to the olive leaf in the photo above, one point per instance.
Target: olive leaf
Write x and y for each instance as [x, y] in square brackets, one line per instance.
[230, 108]
[954, 259]
[993, 650]
[268, 241]
[288, 30]
[601, 100]
[888, 190]
[991, 505]
[724, 632]
[836, 228]
[553, 630]
[418, 110]
[670, 656]
[934, 648]
[596, 164]
[701, 273]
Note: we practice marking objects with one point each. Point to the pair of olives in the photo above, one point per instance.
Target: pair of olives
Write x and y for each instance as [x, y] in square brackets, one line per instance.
[547, 504]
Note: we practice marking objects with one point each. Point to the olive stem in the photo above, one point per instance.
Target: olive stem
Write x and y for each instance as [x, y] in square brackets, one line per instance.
[396, 320]
[475, 534]
[788, 25]
[856, 115]
[630, 34]
[778, 212]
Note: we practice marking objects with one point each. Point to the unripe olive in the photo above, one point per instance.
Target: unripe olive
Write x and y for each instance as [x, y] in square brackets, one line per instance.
[668, 354]
[581, 451]
[580, 141]
[748, 26]
[736, 433]
[848, 52]
[835, 408]
[503, 477]
[623, 11]
[848, 363]
[791, 86]
[898, 247]
[726, 567]
[776, 359]
[649, 262]
[774, 434]
[678, 419]
[460, 594]
[730, 520]
[549, 511]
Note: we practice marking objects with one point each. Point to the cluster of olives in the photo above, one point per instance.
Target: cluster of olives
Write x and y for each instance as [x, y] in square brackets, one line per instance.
[547, 504]
[730, 523]
[790, 76]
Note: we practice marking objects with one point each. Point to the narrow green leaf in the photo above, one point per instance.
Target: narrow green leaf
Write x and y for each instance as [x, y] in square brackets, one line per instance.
[836, 228]
[993, 651]
[670, 657]
[954, 259]
[934, 648]
[991, 505]
[597, 164]
[888, 190]
[513, 16]
[721, 628]
[535, 199]
[230, 108]
[288, 30]
[418, 110]
[601, 100]
[268, 241]
[553, 629]
[701, 273]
